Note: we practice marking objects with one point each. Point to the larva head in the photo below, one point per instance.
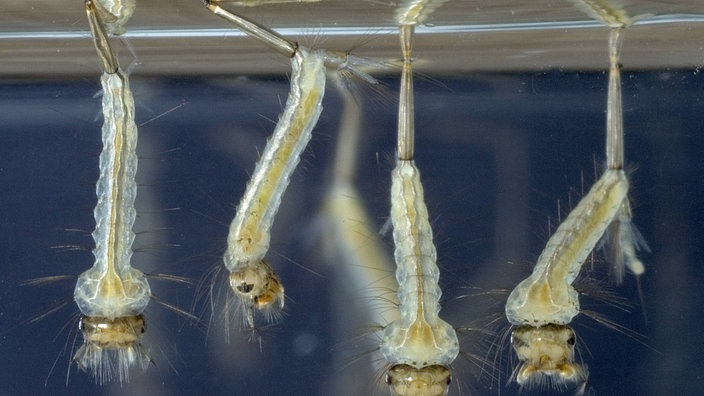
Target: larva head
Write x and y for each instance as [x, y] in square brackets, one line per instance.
[111, 346]
[258, 285]
[405, 380]
[117, 333]
[546, 353]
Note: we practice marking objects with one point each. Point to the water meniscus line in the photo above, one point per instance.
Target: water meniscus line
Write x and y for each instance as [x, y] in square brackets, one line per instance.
[196, 33]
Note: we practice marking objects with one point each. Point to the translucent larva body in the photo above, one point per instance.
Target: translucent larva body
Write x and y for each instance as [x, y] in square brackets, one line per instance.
[547, 295]
[250, 232]
[420, 346]
[112, 294]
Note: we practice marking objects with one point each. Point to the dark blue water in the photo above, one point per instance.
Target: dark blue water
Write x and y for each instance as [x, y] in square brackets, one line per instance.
[497, 153]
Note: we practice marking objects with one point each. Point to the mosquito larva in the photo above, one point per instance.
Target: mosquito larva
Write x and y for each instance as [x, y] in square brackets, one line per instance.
[112, 294]
[419, 346]
[258, 286]
[544, 304]
[251, 277]
[248, 241]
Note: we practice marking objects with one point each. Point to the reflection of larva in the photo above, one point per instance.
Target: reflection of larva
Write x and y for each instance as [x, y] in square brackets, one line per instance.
[354, 252]
[112, 295]
[114, 14]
